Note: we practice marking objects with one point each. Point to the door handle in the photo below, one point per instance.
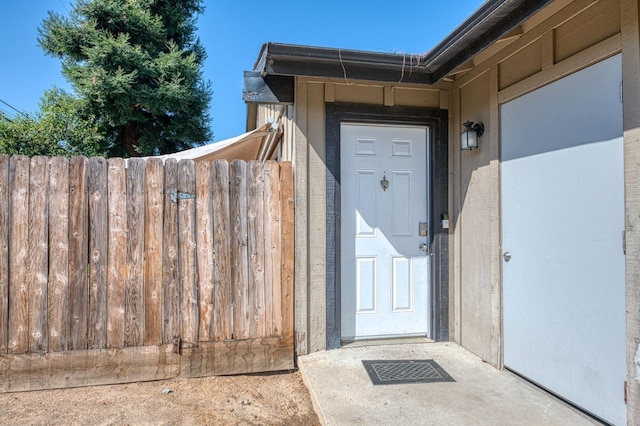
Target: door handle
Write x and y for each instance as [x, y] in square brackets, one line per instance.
[424, 247]
[506, 256]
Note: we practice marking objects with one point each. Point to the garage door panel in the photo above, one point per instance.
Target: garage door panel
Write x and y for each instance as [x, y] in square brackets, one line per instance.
[563, 217]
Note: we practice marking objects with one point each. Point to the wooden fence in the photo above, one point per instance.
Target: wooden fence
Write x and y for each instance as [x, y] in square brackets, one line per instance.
[114, 271]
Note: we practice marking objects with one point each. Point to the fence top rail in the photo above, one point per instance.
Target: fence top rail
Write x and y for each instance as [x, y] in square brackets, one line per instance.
[146, 159]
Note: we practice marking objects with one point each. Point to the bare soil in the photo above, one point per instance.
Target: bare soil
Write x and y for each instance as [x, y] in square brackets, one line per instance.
[265, 399]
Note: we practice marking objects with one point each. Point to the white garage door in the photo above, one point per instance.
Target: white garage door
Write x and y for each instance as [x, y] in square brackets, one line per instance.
[563, 222]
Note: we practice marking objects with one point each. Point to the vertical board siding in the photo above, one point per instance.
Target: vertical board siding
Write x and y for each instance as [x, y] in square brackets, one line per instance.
[98, 252]
[301, 152]
[4, 252]
[99, 255]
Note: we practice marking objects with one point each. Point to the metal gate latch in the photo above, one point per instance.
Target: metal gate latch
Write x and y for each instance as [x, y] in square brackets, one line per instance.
[174, 196]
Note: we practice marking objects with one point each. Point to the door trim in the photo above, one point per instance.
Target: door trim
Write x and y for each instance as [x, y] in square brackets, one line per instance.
[437, 121]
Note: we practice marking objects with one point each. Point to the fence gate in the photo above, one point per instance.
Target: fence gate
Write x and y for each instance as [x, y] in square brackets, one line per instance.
[115, 271]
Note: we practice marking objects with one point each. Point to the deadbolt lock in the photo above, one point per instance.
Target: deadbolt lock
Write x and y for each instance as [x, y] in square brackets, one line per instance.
[422, 229]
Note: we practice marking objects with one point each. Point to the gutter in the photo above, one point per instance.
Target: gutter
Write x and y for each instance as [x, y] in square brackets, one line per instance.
[272, 78]
[492, 20]
[289, 59]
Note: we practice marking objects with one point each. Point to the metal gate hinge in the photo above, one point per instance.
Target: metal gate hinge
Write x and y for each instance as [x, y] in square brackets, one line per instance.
[179, 345]
[174, 196]
[189, 345]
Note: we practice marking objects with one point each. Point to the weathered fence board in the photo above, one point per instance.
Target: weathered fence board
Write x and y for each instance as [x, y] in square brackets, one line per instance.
[273, 245]
[114, 271]
[187, 250]
[117, 271]
[239, 252]
[255, 248]
[90, 367]
[204, 242]
[38, 254]
[237, 357]
[223, 293]
[98, 252]
[134, 289]
[287, 238]
[77, 305]
[154, 213]
[170, 283]
[4, 252]
[18, 251]
[58, 253]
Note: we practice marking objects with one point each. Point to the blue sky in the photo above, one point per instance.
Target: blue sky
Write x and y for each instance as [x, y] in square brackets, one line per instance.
[232, 33]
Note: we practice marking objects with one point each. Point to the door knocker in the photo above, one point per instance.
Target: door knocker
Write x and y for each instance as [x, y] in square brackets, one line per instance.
[384, 183]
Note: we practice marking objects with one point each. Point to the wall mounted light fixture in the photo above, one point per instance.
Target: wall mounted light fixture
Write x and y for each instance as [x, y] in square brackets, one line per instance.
[469, 137]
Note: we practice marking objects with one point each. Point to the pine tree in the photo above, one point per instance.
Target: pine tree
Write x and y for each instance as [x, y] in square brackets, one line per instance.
[137, 65]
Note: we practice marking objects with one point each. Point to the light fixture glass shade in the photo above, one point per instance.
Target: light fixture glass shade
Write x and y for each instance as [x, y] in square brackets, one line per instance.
[468, 139]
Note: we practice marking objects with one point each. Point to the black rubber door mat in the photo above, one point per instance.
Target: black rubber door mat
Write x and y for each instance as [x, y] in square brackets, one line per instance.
[395, 372]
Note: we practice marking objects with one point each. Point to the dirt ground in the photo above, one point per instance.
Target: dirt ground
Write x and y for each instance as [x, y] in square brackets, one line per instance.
[266, 399]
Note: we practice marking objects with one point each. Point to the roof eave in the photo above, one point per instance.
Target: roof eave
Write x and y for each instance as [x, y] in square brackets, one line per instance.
[490, 22]
[287, 59]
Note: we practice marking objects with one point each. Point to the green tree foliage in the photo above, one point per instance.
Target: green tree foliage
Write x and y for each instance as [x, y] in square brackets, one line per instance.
[62, 127]
[137, 65]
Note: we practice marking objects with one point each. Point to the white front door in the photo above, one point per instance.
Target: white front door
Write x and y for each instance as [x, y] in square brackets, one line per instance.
[563, 218]
[384, 270]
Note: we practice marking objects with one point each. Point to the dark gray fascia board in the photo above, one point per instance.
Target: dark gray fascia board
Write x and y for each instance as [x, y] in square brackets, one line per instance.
[289, 59]
[270, 89]
[492, 20]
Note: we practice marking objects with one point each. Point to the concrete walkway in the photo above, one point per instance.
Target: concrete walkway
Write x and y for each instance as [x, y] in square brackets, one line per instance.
[343, 394]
